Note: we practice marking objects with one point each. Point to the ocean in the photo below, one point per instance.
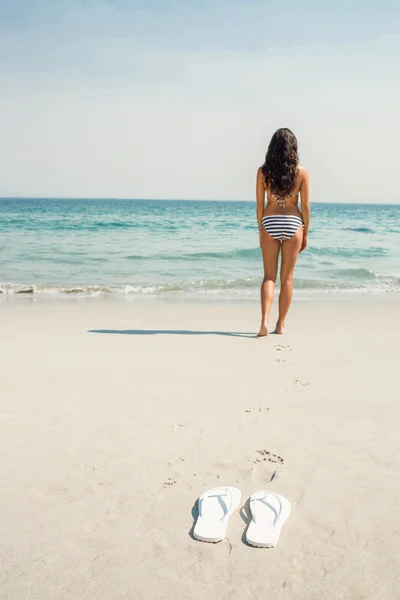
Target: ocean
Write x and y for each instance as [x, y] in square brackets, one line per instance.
[186, 249]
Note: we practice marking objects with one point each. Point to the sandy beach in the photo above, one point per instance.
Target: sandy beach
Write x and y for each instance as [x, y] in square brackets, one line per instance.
[115, 417]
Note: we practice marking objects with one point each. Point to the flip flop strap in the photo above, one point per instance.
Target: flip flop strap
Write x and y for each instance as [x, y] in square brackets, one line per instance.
[226, 506]
[266, 503]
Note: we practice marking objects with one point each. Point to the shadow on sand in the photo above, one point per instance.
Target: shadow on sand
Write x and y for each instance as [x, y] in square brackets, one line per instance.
[244, 512]
[171, 332]
[195, 514]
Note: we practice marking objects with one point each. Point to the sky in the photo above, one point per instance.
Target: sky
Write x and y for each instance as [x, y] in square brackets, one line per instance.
[179, 99]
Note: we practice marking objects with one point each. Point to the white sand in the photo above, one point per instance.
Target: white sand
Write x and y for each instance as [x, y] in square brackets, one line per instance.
[106, 441]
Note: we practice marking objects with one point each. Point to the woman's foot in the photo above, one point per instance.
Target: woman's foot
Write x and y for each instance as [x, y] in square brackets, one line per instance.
[279, 329]
[263, 331]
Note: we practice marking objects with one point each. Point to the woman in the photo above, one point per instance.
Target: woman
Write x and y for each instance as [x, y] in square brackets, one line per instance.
[281, 225]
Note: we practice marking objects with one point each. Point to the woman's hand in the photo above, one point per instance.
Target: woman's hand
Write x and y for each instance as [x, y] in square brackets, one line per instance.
[304, 243]
[261, 232]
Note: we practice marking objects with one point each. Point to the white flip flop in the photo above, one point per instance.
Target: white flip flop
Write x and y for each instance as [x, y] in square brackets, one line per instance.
[215, 508]
[269, 513]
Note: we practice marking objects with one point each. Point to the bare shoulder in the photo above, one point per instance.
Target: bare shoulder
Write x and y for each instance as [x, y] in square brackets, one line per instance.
[303, 172]
[260, 176]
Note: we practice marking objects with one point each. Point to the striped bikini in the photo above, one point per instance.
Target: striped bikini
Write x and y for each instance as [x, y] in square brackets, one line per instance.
[281, 227]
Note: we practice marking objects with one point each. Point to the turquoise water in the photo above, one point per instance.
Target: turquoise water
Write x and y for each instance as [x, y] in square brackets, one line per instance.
[186, 249]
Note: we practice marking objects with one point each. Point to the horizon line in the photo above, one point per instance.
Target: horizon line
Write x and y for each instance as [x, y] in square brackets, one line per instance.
[128, 199]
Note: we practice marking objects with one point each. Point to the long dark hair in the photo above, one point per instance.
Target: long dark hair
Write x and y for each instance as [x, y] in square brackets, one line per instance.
[281, 163]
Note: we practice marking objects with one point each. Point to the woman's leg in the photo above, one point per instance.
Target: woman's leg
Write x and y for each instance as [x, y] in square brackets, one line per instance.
[290, 252]
[270, 252]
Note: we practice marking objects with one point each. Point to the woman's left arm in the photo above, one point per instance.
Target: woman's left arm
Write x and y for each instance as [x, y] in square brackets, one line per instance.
[305, 207]
[260, 195]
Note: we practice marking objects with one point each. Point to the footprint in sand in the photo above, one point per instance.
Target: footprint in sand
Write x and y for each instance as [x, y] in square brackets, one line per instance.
[256, 470]
[254, 416]
[266, 455]
[268, 466]
[301, 384]
[177, 469]
[83, 481]
[282, 348]
[189, 481]
[253, 470]
[169, 483]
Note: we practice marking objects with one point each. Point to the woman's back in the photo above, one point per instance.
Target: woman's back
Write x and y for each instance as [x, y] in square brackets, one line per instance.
[286, 203]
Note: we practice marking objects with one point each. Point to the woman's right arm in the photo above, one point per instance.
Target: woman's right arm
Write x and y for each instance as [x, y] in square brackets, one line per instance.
[305, 207]
[260, 195]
